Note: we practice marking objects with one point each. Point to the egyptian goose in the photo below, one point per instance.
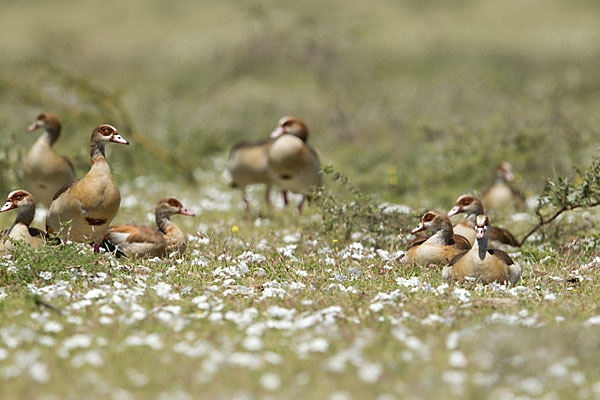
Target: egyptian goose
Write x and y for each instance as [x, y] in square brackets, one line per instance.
[21, 230]
[88, 205]
[472, 207]
[149, 241]
[500, 194]
[438, 248]
[293, 164]
[44, 171]
[481, 263]
[247, 165]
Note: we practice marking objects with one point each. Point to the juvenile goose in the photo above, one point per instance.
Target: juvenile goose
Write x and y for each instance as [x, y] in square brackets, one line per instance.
[88, 205]
[481, 263]
[248, 165]
[44, 171]
[21, 230]
[438, 248]
[149, 241]
[500, 194]
[472, 207]
[293, 164]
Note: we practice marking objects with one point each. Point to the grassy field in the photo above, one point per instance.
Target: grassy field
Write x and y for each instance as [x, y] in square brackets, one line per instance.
[414, 102]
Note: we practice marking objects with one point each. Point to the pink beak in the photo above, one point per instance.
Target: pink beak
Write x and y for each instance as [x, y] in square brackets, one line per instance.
[455, 210]
[479, 232]
[419, 228]
[277, 132]
[33, 127]
[116, 138]
[7, 206]
[184, 211]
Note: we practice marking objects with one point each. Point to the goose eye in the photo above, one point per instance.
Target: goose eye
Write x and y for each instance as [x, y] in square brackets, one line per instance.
[428, 217]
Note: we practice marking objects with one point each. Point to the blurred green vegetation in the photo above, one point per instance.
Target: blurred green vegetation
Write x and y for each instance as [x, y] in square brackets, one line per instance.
[414, 101]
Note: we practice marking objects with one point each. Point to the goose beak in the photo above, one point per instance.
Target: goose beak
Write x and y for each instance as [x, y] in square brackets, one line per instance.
[116, 138]
[33, 127]
[419, 228]
[277, 132]
[455, 210]
[8, 206]
[184, 211]
[479, 232]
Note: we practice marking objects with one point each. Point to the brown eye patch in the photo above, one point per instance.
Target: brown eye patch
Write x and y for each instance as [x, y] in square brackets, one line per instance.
[174, 202]
[466, 201]
[41, 116]
[428, 217]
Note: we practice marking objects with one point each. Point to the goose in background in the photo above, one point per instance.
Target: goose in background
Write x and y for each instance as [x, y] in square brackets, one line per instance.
[292, 163]
[44, 171]
[472, 207]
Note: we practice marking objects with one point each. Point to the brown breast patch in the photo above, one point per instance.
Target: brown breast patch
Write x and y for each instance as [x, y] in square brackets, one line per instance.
[96, 221]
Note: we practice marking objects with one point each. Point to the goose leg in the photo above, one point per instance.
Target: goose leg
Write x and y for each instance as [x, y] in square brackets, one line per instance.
[285, 197]
[301, 204]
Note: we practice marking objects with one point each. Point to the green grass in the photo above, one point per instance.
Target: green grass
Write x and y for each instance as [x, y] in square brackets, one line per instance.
[414, 102]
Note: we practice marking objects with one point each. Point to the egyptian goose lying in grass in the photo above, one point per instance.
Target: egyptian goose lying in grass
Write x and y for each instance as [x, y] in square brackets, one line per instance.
[500, 194]
[247, 165]
[472, 207]
[481, 263]
[438, 248]
[87, 206]
[44, 171]
[150, 241]
[24, 202]
[293, 164]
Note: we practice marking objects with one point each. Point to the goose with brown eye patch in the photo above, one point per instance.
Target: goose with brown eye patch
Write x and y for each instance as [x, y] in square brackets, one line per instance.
[44, 171]
[149, 241]
[292, 163]
[440, 247]
[471, 206]
[500, 194]
[481, 263]
[86, 207]
[21, 230]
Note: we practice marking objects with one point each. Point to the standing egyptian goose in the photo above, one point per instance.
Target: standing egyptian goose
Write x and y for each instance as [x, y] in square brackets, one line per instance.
[21, 230]
[438, 248]
[88, 205]
[500, 194]
[293, 164]
[44, 171]
[149, 241]
[481, 263]
[247, 165]
[472, 207]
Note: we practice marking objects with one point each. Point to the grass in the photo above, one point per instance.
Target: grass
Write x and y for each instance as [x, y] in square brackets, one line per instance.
[413, 102]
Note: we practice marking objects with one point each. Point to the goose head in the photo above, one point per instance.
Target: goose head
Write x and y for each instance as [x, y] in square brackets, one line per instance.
[467, 204]
[433, 220]
[504, 172]
[171, 206]
[482, 225]
[107, 134]
[18, 199]
[292, 126]
[48, 122]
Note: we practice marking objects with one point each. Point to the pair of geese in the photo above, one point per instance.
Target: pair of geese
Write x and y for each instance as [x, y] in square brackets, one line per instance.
[81, 210]
[285, 160]
[469, 248]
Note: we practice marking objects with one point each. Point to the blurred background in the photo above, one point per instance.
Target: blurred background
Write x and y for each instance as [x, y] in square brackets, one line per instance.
[415, 101]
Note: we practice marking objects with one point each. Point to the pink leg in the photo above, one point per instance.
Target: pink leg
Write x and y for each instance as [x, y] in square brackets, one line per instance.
[96, 248]
[268, 195]
[246, 204]
[301, 204]
[285, 198]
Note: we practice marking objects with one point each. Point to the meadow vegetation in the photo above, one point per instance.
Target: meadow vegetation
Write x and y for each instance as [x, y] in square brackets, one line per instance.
[410, 105]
